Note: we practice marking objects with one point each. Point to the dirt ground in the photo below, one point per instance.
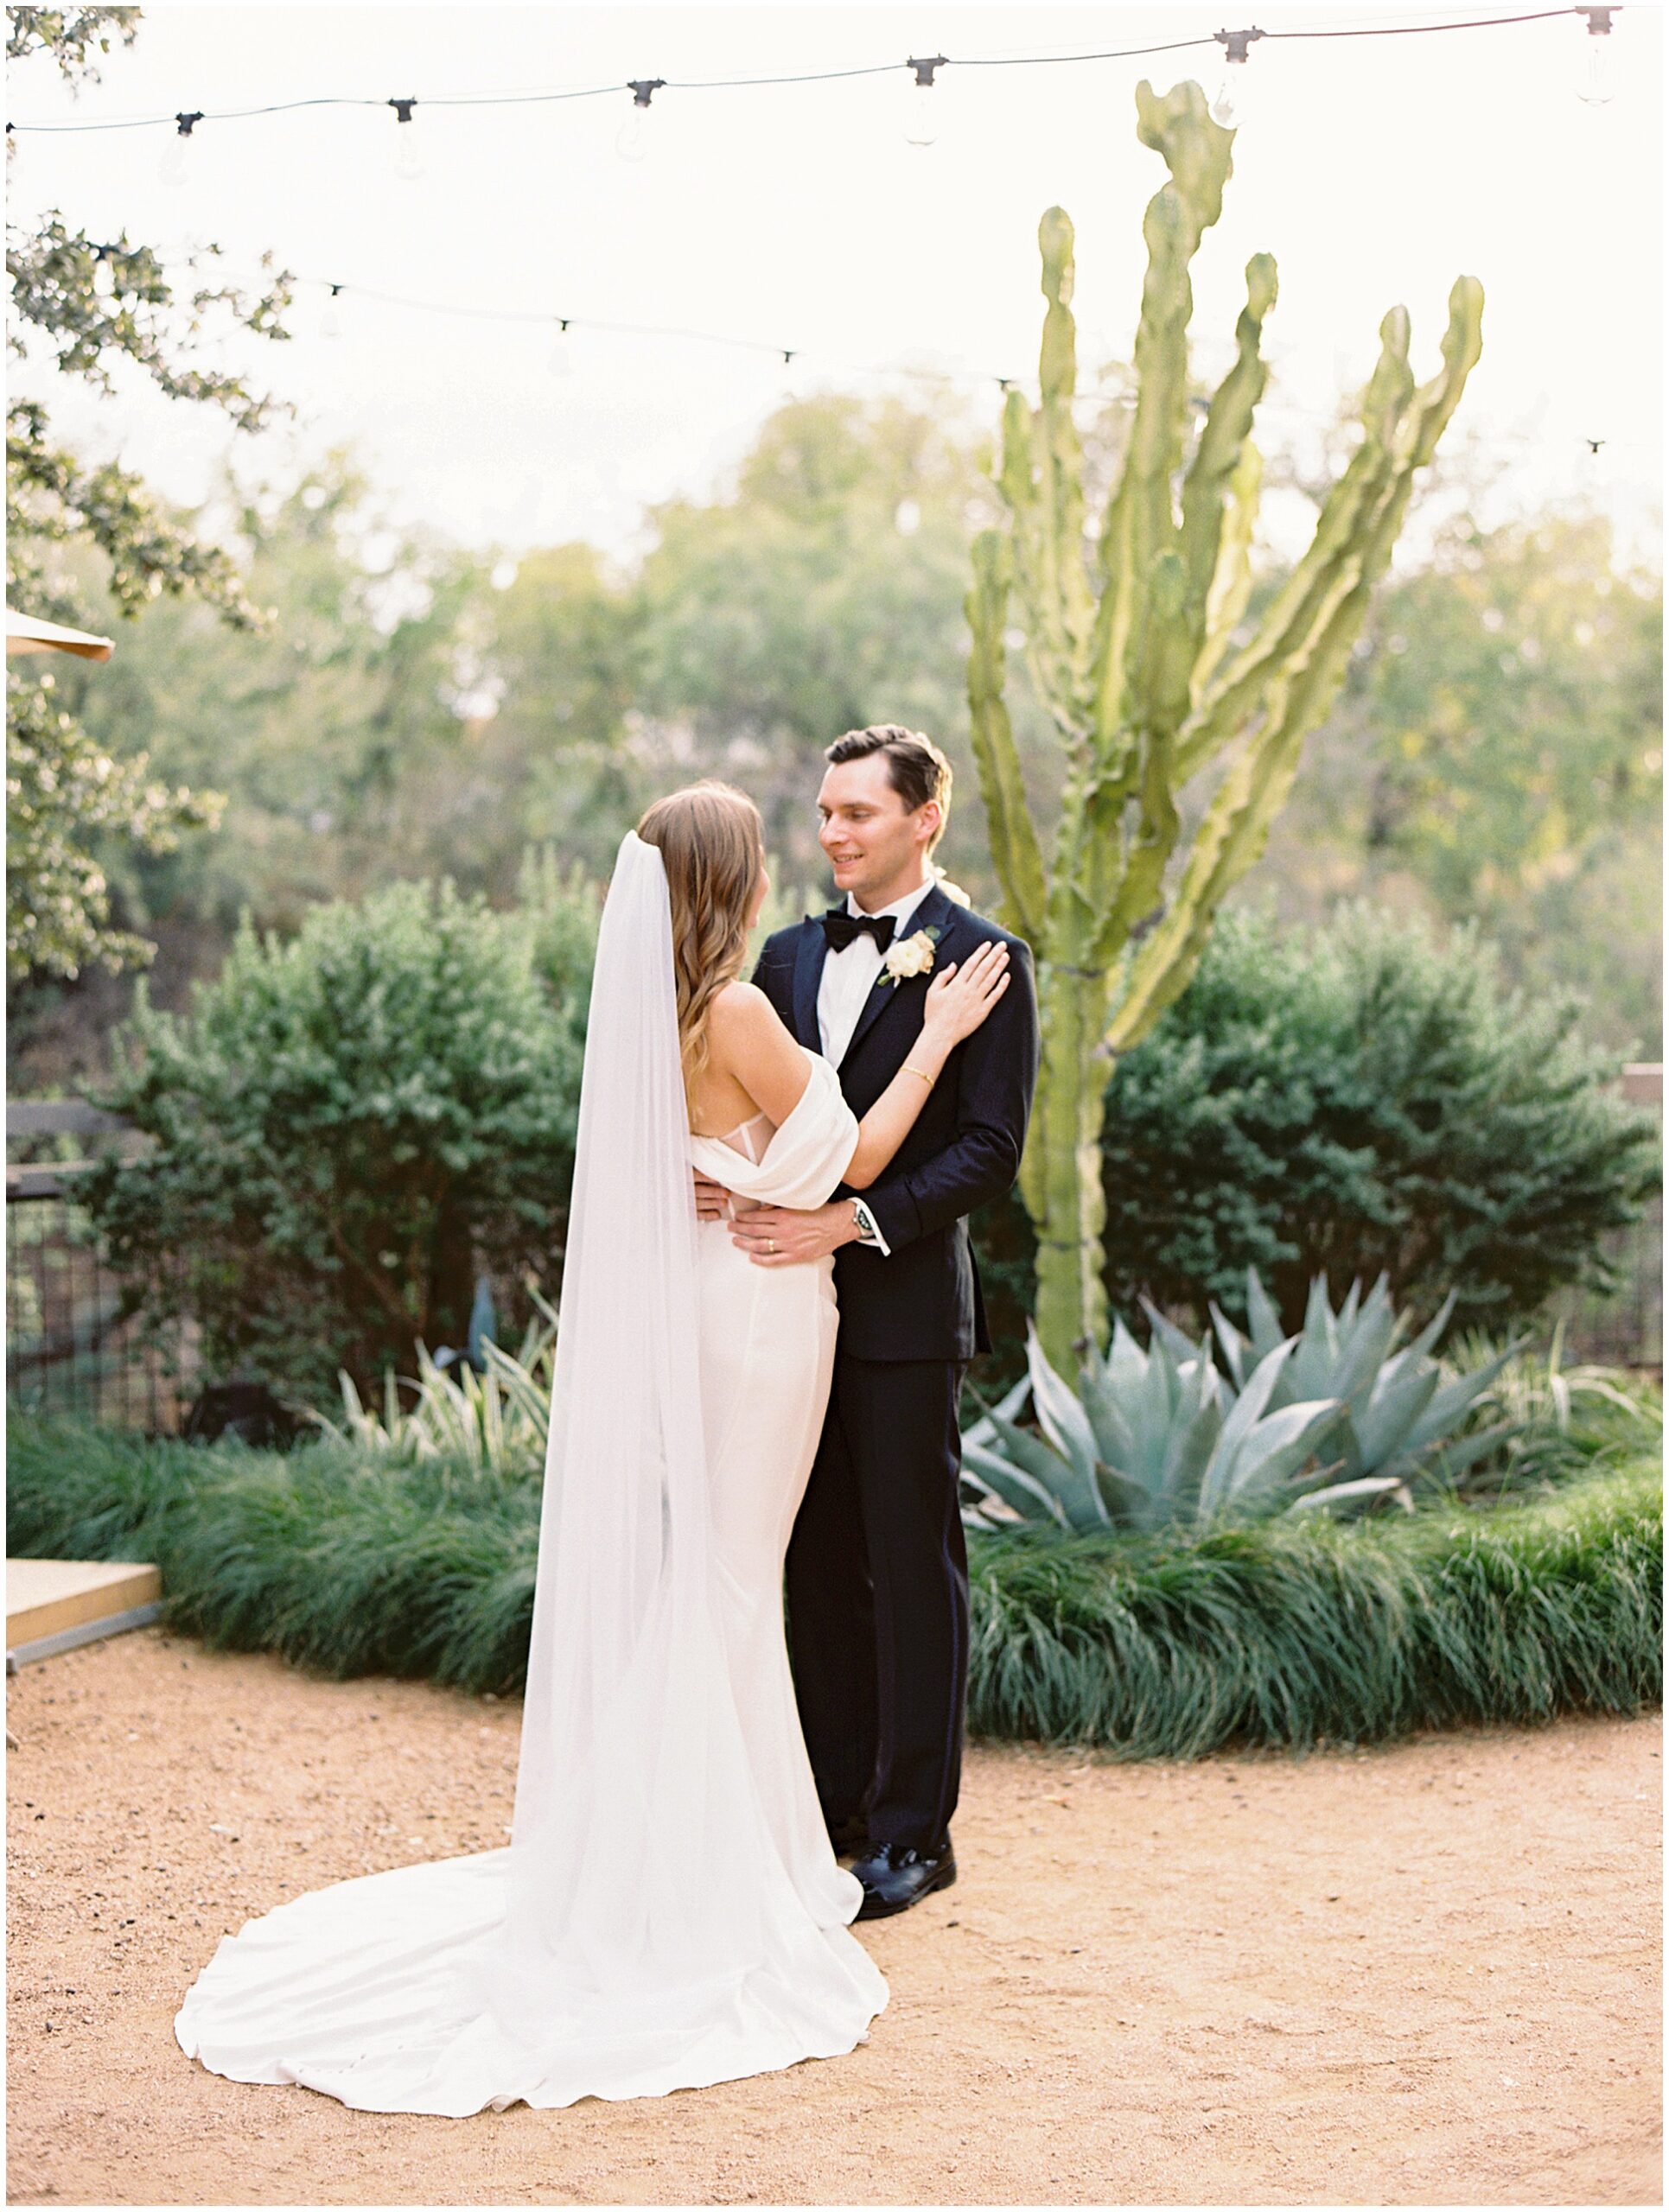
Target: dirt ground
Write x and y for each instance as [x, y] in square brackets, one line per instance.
[1422, 1975]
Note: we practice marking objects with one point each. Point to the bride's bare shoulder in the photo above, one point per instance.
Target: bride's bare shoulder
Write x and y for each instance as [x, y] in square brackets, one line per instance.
[737, 1008]
[750, 1043]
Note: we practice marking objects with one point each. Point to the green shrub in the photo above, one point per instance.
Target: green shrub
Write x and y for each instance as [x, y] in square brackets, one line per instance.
[1359, 1100]
[346, 1126]
[1288, 1632]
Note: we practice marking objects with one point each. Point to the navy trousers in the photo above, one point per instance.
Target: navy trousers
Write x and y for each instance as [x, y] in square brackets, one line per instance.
[877, 1600]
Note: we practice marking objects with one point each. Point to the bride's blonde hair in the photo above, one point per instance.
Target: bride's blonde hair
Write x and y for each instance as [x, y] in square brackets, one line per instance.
[712, 845]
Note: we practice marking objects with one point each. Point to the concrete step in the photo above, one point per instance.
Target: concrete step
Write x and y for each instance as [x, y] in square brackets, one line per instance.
[53, 1605]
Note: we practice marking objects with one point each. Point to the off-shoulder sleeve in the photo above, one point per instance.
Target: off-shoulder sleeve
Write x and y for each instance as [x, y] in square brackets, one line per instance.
[807, 1157]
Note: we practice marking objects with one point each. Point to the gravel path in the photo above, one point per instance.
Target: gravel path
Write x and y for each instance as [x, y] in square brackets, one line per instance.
[1422, 1975]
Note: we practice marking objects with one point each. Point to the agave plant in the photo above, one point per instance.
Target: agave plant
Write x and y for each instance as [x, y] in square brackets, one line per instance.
[1148, 1438]
[1333, 1419]
[496, 1422]
[1400, 1415]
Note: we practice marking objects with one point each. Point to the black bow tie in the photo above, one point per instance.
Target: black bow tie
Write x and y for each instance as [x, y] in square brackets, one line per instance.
[840, 928]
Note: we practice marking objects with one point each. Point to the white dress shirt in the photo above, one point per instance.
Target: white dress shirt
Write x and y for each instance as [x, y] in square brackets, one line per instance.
[847, 980]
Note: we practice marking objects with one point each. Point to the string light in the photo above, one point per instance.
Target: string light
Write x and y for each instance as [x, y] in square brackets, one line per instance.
[1597, 84]
[408, 155]
[1599, 26]
[174, 165]
[1229, 106]
[921, 108]
[792, 361]
[632, 141]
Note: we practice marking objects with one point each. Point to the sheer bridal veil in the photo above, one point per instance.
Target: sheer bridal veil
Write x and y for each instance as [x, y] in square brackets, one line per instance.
[626, 1712]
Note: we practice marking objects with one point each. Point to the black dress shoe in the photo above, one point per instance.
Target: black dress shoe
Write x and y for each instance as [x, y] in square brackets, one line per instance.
[895, 1878]
[849, 1835]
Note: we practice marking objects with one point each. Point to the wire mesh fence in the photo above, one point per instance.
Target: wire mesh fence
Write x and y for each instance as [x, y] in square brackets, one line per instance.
[73, 1345]
[1626, 1328]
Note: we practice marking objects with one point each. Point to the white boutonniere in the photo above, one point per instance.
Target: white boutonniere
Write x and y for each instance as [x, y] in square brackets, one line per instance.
[911, 956]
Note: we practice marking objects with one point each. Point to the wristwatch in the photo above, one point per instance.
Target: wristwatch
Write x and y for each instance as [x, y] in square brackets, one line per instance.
[867, 1232]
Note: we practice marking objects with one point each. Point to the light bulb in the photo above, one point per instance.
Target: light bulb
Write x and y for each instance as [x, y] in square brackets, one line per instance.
[923, 112]
[330, 323]
[104, 278]
[1229, 108]
[176, 165]
[408, 155]
[1597, 83]
[561, 363]
[635, 137]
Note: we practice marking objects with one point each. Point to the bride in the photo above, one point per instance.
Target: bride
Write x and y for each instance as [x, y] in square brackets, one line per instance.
[668, 1912]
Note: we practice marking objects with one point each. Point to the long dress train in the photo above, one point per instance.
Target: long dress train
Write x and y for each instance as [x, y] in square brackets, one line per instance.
[669, 1913]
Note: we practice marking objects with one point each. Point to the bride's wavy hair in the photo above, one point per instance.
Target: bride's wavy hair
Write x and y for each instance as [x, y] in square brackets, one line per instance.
[712, 845]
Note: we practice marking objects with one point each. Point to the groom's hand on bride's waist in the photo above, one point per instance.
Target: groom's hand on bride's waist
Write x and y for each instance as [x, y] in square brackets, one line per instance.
[712, 1199]
[784, 1236]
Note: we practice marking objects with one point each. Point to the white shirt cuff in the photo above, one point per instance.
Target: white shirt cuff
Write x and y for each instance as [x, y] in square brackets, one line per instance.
[869, 1237]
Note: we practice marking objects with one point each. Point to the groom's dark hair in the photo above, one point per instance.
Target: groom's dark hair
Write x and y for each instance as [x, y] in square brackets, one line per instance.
[916, 768]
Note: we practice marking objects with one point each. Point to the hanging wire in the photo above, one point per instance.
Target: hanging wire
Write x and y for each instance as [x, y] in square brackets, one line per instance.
[1097, 401]
[814, 76]
[1085, 405]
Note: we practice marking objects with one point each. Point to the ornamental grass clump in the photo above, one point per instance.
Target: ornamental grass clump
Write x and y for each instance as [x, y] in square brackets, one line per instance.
[1291, 1631]
[1333, 1419]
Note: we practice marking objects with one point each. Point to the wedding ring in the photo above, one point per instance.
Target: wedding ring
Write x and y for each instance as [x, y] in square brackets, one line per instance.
[770, 1243]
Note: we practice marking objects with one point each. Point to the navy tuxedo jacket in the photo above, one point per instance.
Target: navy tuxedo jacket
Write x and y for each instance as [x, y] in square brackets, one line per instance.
[922, 1300]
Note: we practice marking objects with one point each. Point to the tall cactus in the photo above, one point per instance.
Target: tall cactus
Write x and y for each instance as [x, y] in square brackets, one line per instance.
[1128, 644]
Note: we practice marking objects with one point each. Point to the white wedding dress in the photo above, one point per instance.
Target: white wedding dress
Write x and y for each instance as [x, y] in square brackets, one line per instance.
[668, 1912]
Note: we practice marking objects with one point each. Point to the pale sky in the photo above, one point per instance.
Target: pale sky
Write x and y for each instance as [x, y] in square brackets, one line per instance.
[1374, 170]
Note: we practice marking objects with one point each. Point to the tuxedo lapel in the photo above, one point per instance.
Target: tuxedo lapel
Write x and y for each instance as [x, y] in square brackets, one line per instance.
[809, 956]
[934, 911]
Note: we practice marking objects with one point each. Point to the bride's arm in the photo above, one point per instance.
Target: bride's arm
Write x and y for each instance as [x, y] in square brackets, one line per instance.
[748, 1041]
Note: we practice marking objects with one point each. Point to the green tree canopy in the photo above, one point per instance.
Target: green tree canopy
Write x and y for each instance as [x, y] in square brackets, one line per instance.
[417, 709]
[823, 592]
[1497, 755]
[80, 306]
[339, 730]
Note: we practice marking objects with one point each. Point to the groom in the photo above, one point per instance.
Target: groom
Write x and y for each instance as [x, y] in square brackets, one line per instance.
[877, 1583]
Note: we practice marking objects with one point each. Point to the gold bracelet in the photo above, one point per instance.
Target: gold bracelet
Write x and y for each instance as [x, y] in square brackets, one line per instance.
[928, 1079]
